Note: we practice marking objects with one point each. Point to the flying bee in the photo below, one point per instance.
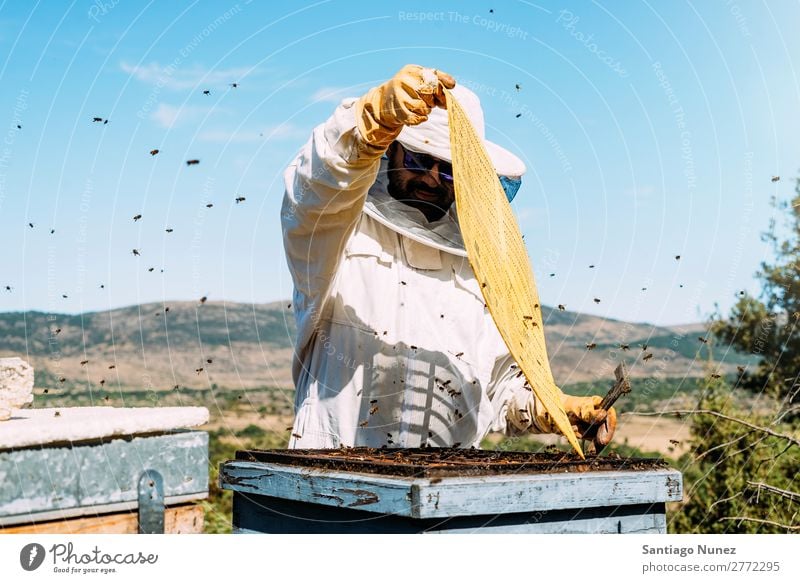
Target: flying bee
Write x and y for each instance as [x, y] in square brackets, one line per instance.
[561, 307]
[647, 356]
[198, 370]
[192, 162]
[112, 366]
[715, 375]
[591, 346]
[234, 85]
[96, 119]
[674, 442]
[459, 355]
[136, 252]
[206, 92]
[703, 340]
[84, 362]
[776, 178]
[209, 205]
[154, 152]
[373, 410]
[363, 423]
[169, 230]
[240, 199]
[624, 346]
[203, 299]
[740, 369]
[597, 300]
[136, 217]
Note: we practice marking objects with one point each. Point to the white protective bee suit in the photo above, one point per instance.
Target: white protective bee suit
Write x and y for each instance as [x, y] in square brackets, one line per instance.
[394, 346]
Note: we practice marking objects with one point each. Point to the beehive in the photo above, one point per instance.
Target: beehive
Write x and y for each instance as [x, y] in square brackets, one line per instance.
[364, 490]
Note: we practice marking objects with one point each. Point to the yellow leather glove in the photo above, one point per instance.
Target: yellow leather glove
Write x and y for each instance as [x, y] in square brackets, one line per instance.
[590, 421]
[406, 99]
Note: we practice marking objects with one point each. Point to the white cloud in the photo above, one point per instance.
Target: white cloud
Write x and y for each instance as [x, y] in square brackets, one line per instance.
[185, 77]
[332, 94]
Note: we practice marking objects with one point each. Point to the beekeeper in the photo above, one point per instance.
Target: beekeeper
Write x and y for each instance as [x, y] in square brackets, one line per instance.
[395, 346]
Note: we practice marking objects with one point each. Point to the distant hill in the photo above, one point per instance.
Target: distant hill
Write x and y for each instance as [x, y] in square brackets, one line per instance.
[148, 347]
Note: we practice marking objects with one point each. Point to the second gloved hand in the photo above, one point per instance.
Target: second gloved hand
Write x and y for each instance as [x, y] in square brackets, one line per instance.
[406, 99]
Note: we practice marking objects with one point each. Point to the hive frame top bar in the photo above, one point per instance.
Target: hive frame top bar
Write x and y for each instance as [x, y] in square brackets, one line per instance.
[445, 462]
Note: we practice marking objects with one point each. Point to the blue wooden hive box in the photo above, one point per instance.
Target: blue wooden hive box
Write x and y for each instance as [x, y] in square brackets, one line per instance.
[442, 490]
[103, 470]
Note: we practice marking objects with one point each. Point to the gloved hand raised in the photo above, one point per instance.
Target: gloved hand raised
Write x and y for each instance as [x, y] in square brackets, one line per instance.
[406, 99]
[590, 421]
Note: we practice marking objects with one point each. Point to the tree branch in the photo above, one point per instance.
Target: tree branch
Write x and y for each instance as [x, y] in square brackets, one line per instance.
[760, 521]
[793, 496]
[766, 430]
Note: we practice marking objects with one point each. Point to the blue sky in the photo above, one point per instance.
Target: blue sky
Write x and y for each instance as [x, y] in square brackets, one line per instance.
[649, 130]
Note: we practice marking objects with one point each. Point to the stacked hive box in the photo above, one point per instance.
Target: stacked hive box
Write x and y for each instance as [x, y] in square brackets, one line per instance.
[362, 490]
[103, 470]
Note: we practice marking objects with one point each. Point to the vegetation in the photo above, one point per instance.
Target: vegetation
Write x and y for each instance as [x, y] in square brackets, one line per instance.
[741, 472]
[222, 446]
[768, 326]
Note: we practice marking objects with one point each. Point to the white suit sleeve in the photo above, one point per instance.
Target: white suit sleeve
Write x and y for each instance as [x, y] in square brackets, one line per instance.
[516, 408]
[326, 186]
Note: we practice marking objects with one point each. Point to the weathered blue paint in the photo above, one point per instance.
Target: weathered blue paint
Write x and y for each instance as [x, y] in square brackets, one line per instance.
[39, 483]
[623, 501]
[262, 514]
